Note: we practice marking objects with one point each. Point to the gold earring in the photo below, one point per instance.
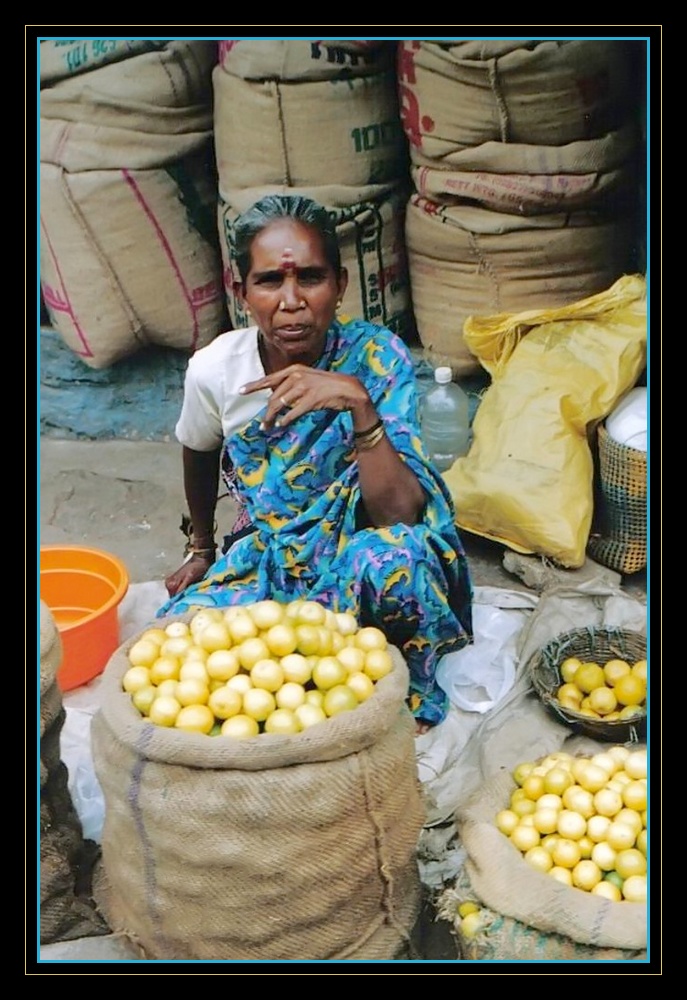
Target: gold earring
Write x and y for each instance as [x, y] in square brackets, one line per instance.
[338, 303]
[247, 310]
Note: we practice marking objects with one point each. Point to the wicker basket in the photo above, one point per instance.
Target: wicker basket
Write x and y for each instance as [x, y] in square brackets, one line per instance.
[599, 644]
[619, 537]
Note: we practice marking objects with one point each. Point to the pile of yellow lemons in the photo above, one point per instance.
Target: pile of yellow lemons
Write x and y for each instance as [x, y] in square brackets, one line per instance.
[583, 820]
[616, 690]
[264, 667]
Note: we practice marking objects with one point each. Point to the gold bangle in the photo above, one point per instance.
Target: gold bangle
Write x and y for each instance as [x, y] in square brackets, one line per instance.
[367, 443]
[367, 433]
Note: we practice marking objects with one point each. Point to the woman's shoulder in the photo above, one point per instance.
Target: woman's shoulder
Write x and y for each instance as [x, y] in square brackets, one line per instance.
[233, 351]
[375, 338]
[231, 344]
[364, 330]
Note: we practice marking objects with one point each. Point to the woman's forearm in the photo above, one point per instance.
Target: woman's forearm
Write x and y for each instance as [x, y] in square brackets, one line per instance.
[201, 482]
[390, 490]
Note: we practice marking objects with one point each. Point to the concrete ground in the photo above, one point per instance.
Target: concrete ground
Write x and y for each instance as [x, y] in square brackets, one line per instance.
[126, 497]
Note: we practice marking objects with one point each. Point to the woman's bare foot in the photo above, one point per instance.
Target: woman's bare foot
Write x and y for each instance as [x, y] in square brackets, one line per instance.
[422, 727]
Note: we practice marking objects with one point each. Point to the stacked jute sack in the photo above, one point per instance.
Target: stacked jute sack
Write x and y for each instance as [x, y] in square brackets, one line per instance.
[129, 250]
[66, 910]
[319, 119]
[272, 848]
[523, 157]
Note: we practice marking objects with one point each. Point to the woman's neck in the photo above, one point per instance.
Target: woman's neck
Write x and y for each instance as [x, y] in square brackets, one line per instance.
[274, 361]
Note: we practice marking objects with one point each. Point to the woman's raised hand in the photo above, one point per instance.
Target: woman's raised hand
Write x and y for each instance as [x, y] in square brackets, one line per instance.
[300, 389]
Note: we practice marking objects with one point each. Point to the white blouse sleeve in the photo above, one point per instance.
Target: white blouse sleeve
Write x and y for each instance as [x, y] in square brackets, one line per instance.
[200, 423]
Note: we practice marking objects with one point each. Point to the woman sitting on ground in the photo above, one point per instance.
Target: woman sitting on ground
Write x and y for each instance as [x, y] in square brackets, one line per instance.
[315, 422]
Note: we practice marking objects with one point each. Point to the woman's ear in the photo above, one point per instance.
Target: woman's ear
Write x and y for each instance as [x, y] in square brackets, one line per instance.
[343, 282]
[238, 289]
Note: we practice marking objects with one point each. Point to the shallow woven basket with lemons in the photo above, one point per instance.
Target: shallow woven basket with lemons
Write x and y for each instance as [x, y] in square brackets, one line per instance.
[597, 645]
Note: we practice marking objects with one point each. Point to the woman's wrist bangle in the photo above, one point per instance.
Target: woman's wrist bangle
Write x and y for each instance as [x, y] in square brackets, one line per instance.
[372, 439]
[369, 432]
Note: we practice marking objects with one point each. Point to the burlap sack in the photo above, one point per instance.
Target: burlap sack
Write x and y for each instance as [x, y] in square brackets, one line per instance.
[165, 90]
[506, 883]
[526, 194]
[372, 241]
[618, 538]
[543, 93]
[306, 134]
[301, 59]
[606, 153]
[469, 261]
[145, 110]
[275, 848]
[65, 57]
[502, 939]
[129, 253]
[65, 913]
[131, 257]
[51, 659]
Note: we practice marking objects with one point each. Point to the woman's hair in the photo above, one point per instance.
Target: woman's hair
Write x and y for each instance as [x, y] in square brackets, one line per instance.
[283, 206]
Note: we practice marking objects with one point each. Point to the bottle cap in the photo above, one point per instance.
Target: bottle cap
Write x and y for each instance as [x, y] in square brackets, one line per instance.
[443, 375]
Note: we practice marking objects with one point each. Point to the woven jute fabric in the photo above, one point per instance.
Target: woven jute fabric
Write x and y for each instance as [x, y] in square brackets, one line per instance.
[619, 536]
[507, 884]
[527, 92]
[272, 848]
[501, 938]
[131, 258]
[306, 134]
[302, 59]
[129, 251]
[464, 260]
[64, 913]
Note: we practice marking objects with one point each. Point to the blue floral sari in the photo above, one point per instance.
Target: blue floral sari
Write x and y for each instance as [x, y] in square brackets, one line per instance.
[312, 538]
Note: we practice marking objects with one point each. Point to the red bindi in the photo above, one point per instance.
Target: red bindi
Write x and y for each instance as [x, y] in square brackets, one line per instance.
[287, 261]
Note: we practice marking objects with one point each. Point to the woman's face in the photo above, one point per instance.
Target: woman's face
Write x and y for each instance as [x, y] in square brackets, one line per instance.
[291, 291]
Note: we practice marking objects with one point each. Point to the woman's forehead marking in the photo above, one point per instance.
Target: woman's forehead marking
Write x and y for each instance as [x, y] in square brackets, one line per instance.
[287, 261]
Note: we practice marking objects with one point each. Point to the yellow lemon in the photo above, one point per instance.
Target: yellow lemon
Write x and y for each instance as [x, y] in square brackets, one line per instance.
[639, 669]
[135, 678]
[603, 700]
[568, 668]
[614, 670]
[589, 676]
[195, 719]
[240, 727]
[630, 689]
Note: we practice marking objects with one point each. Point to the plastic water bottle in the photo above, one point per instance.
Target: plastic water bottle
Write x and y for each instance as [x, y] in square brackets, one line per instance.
[445, 420]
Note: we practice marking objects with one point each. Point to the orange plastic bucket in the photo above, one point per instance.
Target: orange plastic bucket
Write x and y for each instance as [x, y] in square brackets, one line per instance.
[83, 588]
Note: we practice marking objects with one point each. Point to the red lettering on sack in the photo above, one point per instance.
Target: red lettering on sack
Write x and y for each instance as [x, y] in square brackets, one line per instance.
[205, 295]
[406, 61]
[387, 276]
[410, 115]
[225, 47]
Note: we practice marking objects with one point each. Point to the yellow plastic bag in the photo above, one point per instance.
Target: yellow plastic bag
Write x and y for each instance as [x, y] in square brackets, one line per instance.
[527, 480]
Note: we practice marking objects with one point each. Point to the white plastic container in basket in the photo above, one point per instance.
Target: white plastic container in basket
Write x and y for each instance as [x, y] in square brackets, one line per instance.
[627, 424]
